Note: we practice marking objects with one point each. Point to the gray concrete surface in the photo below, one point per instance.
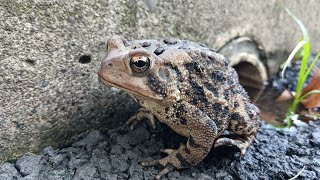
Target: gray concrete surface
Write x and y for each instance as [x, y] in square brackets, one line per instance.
[50, 52]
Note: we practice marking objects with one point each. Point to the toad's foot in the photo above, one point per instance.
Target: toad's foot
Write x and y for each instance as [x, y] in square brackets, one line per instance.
[242, 143]
[174, 160]
[142, 114]
[186, 156]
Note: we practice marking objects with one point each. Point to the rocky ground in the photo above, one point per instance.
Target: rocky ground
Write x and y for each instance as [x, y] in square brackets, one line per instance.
[114, 154]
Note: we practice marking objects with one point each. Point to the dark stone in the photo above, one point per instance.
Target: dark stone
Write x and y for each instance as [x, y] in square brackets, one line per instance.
[8, 171]
[211, 57]
[204, 54]
[90, 140]
[87, 171]
[28, 164]
[159, 50]
[146, 44]
[78, 160]
[34, 110]
[44, 84]
[203, 45]
[59, 160]
[134, 137]
[119, 164]
[212, 50]
[170, 41]
[116, 156]
[48, 151]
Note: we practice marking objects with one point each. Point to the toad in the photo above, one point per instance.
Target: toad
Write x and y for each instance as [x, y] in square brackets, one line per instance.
[189, 87]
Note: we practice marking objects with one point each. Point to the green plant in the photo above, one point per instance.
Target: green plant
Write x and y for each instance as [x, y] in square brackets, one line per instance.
[303, 50]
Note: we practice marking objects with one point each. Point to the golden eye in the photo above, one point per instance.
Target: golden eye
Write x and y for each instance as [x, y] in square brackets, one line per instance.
[139, 63]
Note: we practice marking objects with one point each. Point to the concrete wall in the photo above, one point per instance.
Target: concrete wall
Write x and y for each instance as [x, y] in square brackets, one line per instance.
[50, 52]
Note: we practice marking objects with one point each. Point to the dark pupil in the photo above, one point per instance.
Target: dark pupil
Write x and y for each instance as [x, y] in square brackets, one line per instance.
[140, 63]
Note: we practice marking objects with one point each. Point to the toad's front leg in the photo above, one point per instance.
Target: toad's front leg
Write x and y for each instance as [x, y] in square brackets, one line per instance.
[202, 132]
[142, 114]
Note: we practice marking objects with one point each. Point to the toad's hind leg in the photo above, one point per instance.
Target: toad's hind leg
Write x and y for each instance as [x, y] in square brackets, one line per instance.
[201, 134]
[244, 125]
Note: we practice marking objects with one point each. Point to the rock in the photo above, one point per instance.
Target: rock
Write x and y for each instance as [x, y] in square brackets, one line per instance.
[111, 177]
[174, 175]
[8, 172]
[316, 139]
[48, 151]
[223, 175]
[203, 176]
[134, 137]
[55, 174]
[103, 166]
[87, 171]
[58, 160]
[283, 155]
[29, 165]
[119, 163]
[75, 163]
[91, 139]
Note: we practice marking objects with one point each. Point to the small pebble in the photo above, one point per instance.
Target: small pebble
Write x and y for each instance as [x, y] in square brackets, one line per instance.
[146, 44]
[170, 41]
[159, 50]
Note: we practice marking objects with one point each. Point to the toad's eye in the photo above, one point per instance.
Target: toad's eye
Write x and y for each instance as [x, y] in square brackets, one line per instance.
[139, 63]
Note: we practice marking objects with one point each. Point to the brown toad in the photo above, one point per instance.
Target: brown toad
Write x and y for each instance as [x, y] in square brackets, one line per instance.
[187, 86]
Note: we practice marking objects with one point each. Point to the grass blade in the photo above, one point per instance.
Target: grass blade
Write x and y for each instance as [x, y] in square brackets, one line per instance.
[302, 27]
[312, 65]
[291, 56]
[297, 175]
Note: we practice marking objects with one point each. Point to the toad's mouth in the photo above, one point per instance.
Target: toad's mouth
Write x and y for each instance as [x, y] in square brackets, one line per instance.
[108, 83]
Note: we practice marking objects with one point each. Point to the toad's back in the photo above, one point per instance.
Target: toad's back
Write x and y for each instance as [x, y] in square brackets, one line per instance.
[207, 82]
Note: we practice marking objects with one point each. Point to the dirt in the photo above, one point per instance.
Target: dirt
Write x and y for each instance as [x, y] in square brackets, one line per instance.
[114, 154]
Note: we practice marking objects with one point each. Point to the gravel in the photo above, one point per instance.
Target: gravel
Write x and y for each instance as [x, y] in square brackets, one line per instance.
[114, 154]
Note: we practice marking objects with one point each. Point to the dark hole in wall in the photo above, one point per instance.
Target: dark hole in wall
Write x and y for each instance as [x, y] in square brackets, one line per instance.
[85, 59]
[30, 62]
[249, 78]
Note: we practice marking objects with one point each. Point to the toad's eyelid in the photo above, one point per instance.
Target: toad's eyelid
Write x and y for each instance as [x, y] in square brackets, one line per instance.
[138, 52]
